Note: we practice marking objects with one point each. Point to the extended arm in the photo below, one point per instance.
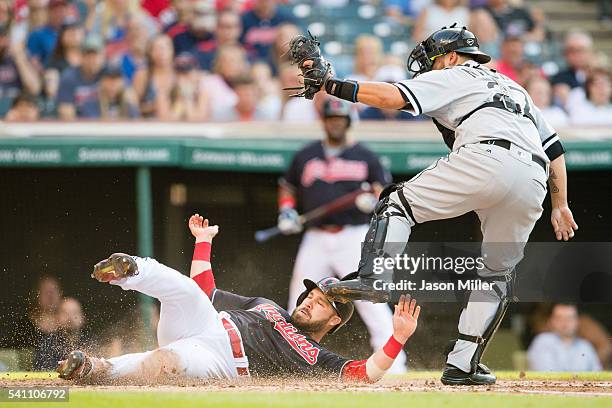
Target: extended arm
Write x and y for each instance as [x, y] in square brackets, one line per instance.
[380, 95]
[318, 74]
[405, 319]
[377, 94]
[201, 269]
[286, 196]
[288, 217]
[27, 73]
[561, 216]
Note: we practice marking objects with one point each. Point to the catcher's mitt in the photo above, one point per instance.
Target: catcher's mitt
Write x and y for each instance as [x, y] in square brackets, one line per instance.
[306, 49]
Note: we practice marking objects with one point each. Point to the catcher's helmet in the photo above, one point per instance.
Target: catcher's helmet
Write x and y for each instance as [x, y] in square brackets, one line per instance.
[344, 310]
[441, 43]
[336, 107]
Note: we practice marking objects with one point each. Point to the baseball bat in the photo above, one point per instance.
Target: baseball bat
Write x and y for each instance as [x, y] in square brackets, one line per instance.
[339, 204]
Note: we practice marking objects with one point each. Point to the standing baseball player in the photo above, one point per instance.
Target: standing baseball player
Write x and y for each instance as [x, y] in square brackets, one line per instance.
[501, 152]
[205, 332]
[320, 173]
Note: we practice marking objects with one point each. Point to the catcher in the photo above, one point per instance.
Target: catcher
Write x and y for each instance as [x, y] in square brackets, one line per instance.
[503, 153]
[205, 332]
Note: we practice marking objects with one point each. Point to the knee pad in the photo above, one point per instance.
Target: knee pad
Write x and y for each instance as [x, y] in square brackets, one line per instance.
[376, 237]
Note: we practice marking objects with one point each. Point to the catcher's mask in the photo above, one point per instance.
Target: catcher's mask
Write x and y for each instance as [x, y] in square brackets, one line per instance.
[344, 310]
[442, 42]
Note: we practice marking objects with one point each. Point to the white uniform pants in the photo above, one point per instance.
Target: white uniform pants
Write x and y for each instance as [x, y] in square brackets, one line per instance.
[189, 325]
[506, 189]
[324, 254]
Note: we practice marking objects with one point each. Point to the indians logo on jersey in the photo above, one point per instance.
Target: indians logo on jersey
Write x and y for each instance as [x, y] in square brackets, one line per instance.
[296, 340]
[333, 170]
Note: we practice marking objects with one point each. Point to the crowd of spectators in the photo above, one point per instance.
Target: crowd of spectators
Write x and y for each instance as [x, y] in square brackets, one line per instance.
[225, 60]
[182, 60]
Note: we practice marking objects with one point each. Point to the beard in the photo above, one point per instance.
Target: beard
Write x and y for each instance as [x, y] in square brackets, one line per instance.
[337, 137]
[307, 326]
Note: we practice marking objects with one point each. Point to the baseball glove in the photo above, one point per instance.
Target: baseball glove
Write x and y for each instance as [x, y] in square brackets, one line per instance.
[305, 52]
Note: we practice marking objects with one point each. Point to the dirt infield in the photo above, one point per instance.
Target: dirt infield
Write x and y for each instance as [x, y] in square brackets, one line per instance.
[576, 387]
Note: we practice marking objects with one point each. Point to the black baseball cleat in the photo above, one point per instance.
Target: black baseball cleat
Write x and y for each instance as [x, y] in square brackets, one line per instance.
[357, 289]
[76, 366]
[454, 376]
[115, 267]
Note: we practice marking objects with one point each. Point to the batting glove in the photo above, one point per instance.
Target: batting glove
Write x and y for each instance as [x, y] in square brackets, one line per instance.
[289, 222]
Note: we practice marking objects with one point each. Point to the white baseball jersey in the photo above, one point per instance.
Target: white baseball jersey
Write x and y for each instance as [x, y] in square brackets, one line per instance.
[452, 95]
[472, 104]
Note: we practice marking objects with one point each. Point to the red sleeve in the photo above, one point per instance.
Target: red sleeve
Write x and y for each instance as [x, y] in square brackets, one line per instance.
[355, 371]
[205, 279]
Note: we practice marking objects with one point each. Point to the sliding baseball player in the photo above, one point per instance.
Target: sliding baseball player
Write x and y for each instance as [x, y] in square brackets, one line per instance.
[205, 332]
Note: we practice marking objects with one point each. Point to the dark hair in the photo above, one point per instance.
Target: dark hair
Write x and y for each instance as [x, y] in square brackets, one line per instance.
[465, 55]
[149, 50]
[59, 51]
[33, 307]
[513, 38]
[242, 80]
[591, 78]
[25, 97]
[149, 62]
[552, 308]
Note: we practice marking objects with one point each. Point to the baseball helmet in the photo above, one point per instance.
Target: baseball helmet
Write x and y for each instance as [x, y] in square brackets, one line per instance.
[344, 310]
[443, 41]
[333, 107]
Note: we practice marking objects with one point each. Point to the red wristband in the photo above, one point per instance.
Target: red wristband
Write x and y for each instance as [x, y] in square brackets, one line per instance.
[392, 348]
[286, 202]
[202, 251]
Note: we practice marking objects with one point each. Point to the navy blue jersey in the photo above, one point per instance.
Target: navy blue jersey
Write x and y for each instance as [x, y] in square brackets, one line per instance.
[273, 345]
[259, 34]
[317, 180]
[10, 84]
[82, 92]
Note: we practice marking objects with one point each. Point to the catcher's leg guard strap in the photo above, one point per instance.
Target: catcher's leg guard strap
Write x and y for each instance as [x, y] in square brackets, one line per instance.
[388, 234]
[483, 340]
[343, 89]
[405, 202]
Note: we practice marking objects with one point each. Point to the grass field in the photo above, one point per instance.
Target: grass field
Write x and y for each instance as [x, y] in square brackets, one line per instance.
[417, 389]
